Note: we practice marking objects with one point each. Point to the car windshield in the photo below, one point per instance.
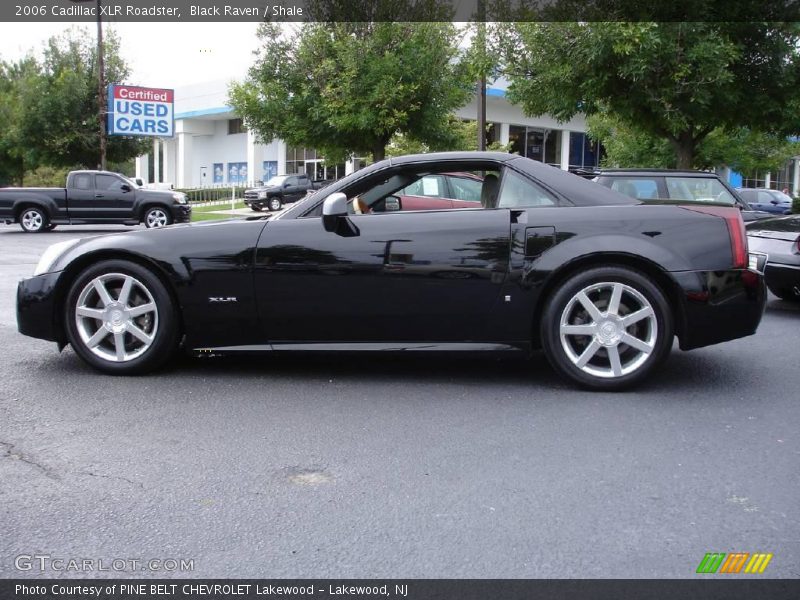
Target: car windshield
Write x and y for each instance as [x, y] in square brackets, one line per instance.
[129, 181]
[781, 197]
[276, 180]
[700, 189]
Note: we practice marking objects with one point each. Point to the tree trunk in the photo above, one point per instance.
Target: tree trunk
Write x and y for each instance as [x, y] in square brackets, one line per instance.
[684, 146]
[378, 151]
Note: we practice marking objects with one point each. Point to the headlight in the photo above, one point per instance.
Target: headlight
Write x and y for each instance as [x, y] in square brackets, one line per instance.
[179, 198]
[262, 195]
[52, 254]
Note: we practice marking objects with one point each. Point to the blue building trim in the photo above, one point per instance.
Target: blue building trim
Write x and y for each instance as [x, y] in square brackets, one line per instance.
[205, 112]
[495, 92]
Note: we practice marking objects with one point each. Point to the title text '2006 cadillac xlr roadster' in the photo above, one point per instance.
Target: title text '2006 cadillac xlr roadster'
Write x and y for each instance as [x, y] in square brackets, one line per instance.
[507, 254]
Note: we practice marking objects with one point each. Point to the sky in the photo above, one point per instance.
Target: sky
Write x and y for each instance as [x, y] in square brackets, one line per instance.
[164, 55]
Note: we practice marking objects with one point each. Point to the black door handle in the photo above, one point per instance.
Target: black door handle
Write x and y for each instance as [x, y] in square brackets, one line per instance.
[98, 196]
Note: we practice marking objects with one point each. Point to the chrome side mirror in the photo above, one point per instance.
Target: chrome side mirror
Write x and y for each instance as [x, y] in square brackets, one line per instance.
[334, 216]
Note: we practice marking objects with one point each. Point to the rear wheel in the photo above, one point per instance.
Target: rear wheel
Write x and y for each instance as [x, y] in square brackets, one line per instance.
[120, 318]
[34, 220]
[274, 203]
[607, 328]
[157, 216]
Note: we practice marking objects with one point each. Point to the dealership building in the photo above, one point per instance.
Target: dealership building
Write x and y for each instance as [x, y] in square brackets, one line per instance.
[211, 146]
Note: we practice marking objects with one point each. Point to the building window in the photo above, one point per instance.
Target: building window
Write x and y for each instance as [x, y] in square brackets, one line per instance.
[236, 126]
[583, 152]
[543, 145]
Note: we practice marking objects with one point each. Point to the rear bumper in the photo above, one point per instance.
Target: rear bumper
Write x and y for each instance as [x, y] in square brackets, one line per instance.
[36, 315]
[718, 306]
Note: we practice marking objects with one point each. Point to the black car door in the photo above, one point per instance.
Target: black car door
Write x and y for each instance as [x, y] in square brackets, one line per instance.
[114, 197]
[426, 276]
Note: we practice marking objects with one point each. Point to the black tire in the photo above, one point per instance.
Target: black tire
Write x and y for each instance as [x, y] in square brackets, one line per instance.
[274, 203]
[161, 324]
[157, 216]
[566, 345]
[51, 227]
[255, 207]
[785, 294]
[33, 219]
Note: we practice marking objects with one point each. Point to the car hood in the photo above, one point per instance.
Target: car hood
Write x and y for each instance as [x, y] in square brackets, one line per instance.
[264, 188]
[779, 228]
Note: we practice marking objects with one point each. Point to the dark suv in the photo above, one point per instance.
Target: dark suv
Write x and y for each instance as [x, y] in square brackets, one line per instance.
[666, 184]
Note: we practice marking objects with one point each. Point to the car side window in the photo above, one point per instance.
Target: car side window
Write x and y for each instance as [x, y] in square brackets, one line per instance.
[764, 197]
[702, 189]
[82, 181]
[518, 192]
[637, 188]
[468, 190]
[430, 186]
[108, 183]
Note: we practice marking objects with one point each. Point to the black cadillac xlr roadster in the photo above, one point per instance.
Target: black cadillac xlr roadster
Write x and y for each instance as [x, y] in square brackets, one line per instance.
[491, 251]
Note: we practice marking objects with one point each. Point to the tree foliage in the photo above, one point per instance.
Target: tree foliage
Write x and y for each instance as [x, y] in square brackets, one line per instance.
[347, 87]
[677, 82]
[51, 107]
[742, 149]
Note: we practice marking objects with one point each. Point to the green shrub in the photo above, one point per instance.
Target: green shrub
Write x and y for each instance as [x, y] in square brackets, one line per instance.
[796, 206]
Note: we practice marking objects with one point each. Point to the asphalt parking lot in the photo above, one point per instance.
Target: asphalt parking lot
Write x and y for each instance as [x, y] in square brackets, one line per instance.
[380, 466]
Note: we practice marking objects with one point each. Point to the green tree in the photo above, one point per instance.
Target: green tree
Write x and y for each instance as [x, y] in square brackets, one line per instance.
[14, 151]
[677, 82]
[744, 150]
[348, 87]
[59, 114]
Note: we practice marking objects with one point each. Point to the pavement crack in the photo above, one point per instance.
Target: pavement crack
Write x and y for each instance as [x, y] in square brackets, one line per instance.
[119, 477]
[9, 451]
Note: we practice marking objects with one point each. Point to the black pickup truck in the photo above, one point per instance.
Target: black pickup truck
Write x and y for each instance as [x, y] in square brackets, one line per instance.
[92, 197]
[280, 190]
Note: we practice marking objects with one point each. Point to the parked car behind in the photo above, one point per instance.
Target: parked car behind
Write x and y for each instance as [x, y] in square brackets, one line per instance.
[280, 190]
[779, 239]
[771, 201]
[666, 184]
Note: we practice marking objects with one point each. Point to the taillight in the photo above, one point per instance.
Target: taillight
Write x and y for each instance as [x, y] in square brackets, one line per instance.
[797, 245]
[736, 231]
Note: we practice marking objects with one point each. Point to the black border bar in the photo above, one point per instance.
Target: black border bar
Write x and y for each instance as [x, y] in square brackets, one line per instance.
[399, 10]
[725, 587]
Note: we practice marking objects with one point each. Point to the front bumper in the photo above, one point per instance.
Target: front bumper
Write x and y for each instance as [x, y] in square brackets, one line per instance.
[259, 202]
[783, 277]
[719, 306]
[181, 213]
[36, 315]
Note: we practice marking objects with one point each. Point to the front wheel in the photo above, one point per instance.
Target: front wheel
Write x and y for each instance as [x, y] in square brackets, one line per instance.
[157, 216]
[607, 328]
[274, 203]
[34, 220]
[120, 318]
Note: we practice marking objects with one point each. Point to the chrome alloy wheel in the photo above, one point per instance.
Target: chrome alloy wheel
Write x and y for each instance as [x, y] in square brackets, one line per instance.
[156, 217]
[32, 220]
[608, 329]
[116, 317]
